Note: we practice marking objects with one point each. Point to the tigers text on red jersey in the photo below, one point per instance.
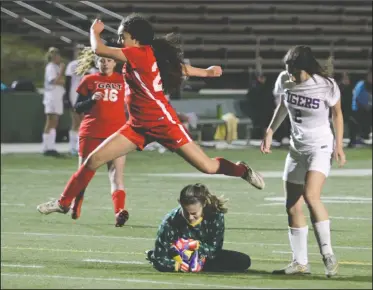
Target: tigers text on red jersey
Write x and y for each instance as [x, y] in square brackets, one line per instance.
[107, 114]
[146, 102]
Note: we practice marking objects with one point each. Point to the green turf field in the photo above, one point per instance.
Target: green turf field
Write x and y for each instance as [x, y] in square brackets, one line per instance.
[56, 252]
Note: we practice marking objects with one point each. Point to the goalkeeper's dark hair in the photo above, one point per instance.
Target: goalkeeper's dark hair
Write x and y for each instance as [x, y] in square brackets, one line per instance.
[167, 50]
[301, 57]
[194, 193]
[87, 59]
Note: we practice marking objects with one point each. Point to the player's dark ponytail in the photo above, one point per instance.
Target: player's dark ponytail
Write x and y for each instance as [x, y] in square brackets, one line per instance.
[169, 57]
[167, 50]
[300, 57]
[194, 193]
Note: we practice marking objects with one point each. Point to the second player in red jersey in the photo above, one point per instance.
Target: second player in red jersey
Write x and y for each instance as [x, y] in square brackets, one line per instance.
[153, 67]
[101, 99]
[107, 114]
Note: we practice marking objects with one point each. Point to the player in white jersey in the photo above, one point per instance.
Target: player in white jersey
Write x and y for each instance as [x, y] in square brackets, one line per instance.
[72, 83]
[307, 94]
[53, 99]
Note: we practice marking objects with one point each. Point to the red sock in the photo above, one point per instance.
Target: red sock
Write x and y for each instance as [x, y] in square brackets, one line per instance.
[228, 168]
[119, 198]
[78, 182]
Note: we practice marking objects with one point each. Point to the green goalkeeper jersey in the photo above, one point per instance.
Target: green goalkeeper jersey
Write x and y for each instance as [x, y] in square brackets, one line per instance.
[209, 232]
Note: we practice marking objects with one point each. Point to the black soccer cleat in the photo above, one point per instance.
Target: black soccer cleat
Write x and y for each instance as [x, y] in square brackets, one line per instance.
[121, 218]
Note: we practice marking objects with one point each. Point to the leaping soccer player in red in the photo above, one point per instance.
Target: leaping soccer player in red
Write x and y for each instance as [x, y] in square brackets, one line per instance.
[153, 67]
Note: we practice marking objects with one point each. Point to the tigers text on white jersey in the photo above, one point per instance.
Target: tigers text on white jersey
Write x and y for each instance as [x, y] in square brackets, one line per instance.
[52, 71]
[308, 105]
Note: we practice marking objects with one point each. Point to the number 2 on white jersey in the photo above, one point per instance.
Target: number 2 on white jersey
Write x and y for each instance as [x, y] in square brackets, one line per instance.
[157, 85]
[298, 116]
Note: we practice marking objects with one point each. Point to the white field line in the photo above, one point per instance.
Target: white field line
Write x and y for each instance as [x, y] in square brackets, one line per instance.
[328, 201]
[12, 204]
[184, 284]
[231, 212]
[271, 204]
[331, 198]
[55, 235]
[242, 213]
[358, 263]
[90, 251]
[266, 174]
[20, 266]
[285, 252]
[114, 262]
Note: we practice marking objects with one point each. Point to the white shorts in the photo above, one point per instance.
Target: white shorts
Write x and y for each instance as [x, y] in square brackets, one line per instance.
[298, 164]
[53, 102]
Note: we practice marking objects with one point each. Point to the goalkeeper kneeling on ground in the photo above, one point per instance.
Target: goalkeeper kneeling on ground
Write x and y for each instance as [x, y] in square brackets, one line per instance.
[190, 238]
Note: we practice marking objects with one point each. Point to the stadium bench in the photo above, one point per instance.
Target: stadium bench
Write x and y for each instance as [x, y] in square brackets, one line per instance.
[215, 122]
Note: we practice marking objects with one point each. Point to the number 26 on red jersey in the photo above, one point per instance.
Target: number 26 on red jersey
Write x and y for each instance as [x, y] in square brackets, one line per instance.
[157, 85]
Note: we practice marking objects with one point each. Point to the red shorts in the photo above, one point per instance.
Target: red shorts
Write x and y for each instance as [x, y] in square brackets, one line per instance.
[87, 145]
[171, 135]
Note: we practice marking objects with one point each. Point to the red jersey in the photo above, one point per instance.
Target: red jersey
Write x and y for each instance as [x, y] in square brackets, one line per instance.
[146, 102]
[107, 114]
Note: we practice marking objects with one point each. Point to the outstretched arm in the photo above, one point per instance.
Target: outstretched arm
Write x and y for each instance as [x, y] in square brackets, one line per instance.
[212, 71]
[98, 45]
[278, 116]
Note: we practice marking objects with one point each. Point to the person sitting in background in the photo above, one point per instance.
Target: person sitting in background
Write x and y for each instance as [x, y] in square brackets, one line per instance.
[360, 120]
[3, 87]
[260, 105]
[190, 238]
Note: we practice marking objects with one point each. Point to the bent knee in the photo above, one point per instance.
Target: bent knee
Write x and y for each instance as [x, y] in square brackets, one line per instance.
[312, 200]
[294, 210]
[313, 203]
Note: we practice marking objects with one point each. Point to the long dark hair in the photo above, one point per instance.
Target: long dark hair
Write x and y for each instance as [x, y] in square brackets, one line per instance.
[300, 57]
[194, 193]
[167, 50]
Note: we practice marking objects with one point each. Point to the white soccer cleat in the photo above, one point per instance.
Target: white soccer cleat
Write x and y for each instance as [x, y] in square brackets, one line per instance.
[252, 177]
[331, 265]
[51, 206]
[294, 268]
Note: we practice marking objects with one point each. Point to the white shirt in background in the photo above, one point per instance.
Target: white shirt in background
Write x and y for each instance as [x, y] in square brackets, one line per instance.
[52, 71]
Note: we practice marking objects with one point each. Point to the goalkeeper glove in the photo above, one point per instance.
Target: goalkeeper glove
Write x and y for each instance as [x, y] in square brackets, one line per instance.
[196, 262]
[186, 244]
